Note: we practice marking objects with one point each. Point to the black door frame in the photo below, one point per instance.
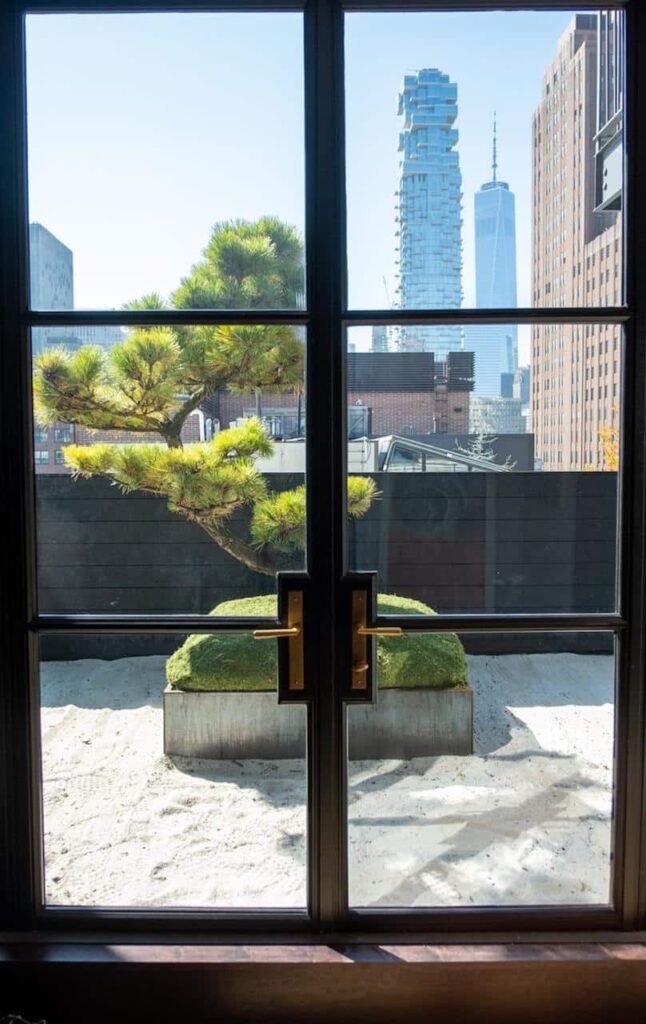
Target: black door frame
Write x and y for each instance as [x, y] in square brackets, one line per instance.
[326, 319]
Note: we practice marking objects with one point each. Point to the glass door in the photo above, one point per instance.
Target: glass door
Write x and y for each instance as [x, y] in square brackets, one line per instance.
[169, 329]
[333, 396]
[482, 771]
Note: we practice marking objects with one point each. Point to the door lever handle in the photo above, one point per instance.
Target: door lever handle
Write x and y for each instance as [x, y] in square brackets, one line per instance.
[361, 631]
[276, 634]
[292, 632]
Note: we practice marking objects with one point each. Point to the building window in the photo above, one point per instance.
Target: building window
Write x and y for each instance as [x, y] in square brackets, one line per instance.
[41, 458]
[64, 434]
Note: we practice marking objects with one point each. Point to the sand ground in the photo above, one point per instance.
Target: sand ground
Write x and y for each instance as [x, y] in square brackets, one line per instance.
[525, 820]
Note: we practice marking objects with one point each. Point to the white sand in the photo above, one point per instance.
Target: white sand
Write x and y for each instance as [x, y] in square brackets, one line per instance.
[524, 820]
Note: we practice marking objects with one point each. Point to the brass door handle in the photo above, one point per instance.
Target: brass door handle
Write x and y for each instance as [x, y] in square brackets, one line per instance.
[276, 634]
[292, 632]
[360, 633]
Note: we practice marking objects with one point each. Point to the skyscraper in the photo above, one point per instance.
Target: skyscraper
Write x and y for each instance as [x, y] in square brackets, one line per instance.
[430, 239]
[380, 338]
[610, 105]
[495, 346]
[51, 279]
[51, 285]
[576, 261]
[490, 415]
[52, 276]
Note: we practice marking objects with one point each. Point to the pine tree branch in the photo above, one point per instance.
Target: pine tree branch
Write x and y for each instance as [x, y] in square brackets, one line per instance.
[105, 415]
[262, 561]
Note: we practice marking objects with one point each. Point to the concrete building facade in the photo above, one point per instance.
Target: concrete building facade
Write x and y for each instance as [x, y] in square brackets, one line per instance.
[491, 415]
[610, 106]
[51, 280]
[576, 261]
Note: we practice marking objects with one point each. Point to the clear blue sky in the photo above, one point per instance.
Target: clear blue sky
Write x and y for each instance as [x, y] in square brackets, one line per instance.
[145, 130]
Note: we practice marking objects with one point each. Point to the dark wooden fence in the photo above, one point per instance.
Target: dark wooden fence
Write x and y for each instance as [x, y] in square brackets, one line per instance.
[494, 542]
[465, 542]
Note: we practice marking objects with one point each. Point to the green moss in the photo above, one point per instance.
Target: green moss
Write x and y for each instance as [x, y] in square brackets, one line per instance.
[227, 661]
[235, 661]
[433, 660]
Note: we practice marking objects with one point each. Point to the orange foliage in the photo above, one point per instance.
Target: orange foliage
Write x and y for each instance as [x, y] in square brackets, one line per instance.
[609, 442]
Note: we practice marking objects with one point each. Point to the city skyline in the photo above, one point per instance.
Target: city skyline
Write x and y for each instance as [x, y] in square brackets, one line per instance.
[432, 202]
[175, 157]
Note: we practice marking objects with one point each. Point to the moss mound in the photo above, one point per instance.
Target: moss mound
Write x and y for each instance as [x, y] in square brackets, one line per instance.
[235, 661]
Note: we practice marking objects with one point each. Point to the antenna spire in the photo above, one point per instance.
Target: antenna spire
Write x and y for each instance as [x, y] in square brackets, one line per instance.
[494, 164]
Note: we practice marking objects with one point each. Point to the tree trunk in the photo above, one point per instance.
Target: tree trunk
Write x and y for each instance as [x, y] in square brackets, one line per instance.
[173, 438]
[238, 549]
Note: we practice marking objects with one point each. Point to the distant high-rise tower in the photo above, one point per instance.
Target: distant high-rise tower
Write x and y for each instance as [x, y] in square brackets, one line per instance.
[51, 286]
[495, 346]
[430, 238]
[380, 338]
[51, 279]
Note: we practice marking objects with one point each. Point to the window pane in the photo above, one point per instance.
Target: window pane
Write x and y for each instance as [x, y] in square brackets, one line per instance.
[145, 132]
[168, 779]
[494, 464]
[502, 196]
[483, 775]
[171, 478]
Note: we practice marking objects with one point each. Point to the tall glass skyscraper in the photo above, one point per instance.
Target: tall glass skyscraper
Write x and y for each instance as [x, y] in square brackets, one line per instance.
[495, 346]
[430, 238]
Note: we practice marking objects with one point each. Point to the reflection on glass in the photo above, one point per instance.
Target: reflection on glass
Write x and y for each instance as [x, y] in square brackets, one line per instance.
[148, 134]
[171, 776]
[502, 196]
[483, 775]
[496, 476]
[169, 465]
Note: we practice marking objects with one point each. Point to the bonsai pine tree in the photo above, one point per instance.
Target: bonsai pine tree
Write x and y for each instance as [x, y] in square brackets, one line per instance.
[153, 380]
[246, 265]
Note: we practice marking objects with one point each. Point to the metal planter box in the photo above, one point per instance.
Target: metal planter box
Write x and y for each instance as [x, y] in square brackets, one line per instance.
[402, 724]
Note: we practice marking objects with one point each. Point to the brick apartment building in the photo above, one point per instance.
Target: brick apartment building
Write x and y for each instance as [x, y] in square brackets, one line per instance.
[388, 393]
[576, 260]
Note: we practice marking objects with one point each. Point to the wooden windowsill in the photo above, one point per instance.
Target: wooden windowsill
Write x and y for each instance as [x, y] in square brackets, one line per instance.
[23, 950]
[314, 983]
